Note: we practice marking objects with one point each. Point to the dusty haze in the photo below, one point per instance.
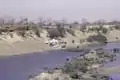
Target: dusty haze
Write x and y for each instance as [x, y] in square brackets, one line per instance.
[57, 9]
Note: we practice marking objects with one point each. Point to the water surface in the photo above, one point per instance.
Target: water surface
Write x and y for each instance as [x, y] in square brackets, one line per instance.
[20, 67]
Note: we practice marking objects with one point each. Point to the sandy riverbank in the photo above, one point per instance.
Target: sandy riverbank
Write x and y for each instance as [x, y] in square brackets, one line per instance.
[17, 48]
[17, 45]
[26, 47]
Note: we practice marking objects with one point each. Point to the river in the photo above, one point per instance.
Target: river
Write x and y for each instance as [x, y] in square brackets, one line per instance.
[20, 67]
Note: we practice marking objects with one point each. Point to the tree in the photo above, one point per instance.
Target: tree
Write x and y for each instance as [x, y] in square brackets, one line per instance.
[83, 25]
[71, 31]
[37, 31]
[11, 22]
[64, 21]
[41, 22]
[24, 23]
[75, 22]
[104, 30]
[99, 38]
[101, 22]
[117, 27]
[53, 33]
[2, 22]
[61, 30]
[49, 22]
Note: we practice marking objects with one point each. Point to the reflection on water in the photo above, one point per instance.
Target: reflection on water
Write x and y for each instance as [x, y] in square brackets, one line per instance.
[20, 67]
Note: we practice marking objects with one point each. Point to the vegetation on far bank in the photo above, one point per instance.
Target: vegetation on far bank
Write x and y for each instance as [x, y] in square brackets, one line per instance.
[59, 29]
[83, 67]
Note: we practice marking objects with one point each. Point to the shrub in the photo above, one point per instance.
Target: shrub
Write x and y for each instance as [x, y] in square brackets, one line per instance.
[71, 31]
[1, 31]
[53, 33]
[99, 76]
[27, 27]
[11, 35]
[98, 29]
[68, 68]
[117, 26]
[99, 38]
[104, 30]
[21, 33]
[83, 27]
[61, 31]
[50, 71]
[37, 31]
[23, 28]
[63, 46]
[57, 78]
[58, 32]
[74, 75]
[75, 65]
[73, 41]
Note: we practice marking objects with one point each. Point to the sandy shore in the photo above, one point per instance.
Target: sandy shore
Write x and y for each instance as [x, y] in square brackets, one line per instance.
[28, 46]
[8, 47]
[24, 47]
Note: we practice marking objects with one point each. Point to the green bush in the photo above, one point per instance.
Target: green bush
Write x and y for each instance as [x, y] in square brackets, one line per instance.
[68, 68]
[53, 33]
[57, 32]
[99, 38]
[75, 65]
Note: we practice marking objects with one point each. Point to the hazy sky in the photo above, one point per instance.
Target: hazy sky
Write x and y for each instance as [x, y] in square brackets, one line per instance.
[57, 9]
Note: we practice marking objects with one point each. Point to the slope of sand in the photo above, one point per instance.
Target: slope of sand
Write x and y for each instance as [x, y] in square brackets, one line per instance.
[18, 48]
[7, 37]
[113, 35]
[77, 38]
[17, 45]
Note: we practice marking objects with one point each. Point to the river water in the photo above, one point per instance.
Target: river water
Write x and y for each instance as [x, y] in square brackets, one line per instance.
[20, 67]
